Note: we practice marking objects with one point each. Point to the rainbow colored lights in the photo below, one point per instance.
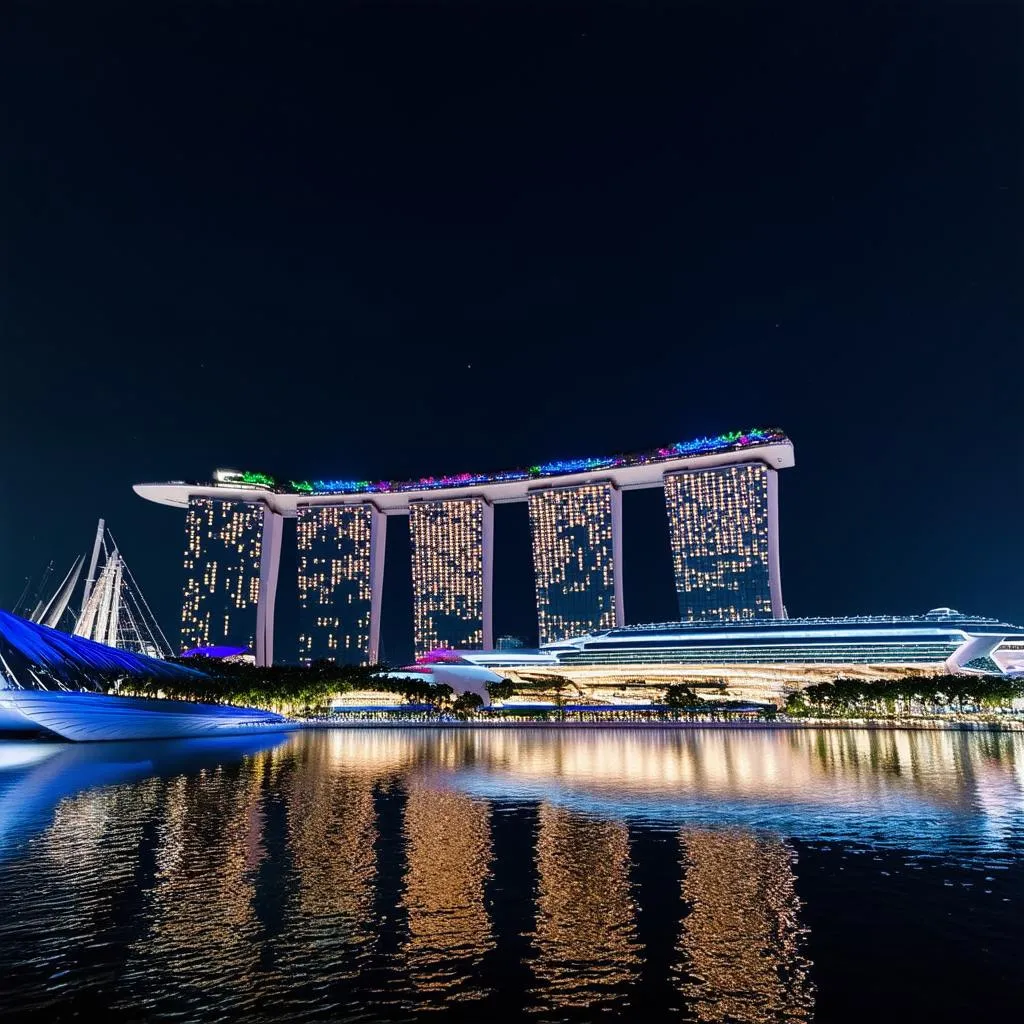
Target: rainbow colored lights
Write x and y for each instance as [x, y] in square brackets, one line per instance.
[258, 478]
[231, 476]
[700, 446]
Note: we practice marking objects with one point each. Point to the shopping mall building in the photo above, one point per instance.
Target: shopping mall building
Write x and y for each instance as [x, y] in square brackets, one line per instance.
[721, 504]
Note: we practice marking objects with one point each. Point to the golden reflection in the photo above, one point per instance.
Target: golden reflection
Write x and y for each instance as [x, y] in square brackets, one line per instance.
[741, 941]
[855, 768]
[91, 830]
[353, 866]
[448, 855]
[378, 754]
[332, 831]
[586, 946]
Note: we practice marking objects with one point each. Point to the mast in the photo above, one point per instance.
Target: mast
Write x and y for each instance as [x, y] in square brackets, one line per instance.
[83, 627]
[91, 578]
[37, 611]
[54, 611]
[105, 593]
[92, 623]
[115, 599]
[115, 612]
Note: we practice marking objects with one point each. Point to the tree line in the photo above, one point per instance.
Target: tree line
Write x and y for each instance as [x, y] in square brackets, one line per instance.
[296, 689]
[900, 698]
[287, 688]
[309, 690]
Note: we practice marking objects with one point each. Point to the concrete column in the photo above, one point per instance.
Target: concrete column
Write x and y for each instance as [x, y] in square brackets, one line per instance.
[616, 499]
[488, 574]
[378, 538]
[774, 576]
[270, 564]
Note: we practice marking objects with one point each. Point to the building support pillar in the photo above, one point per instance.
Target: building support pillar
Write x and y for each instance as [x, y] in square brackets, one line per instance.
[774, 576]
[616, 501]
[378, 545]
[270, 564]
[488, 574]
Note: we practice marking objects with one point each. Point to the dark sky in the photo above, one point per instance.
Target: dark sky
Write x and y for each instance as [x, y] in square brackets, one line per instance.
[381, 240]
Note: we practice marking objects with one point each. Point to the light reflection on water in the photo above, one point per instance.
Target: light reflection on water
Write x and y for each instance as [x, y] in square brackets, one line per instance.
[377, 874]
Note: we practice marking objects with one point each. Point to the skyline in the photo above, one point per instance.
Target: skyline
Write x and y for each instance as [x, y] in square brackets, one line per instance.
[532, 494]
[398, 583]
[315, 247]
[720, 500]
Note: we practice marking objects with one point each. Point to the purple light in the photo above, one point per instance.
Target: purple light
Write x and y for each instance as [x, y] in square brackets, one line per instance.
[439, 656]
[215, 652]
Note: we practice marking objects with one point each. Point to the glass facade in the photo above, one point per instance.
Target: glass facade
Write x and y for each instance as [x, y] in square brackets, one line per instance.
[573, 531]
[336, 549]
[719, 528]
[451, 573]
[223, 550]
[824, 653]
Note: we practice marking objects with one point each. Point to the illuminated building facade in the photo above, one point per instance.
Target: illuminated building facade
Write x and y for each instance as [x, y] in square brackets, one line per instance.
[341, 567]
[577, 550]
[722, 523]
[232, 552]
[720, 494]
[755, 659]
[452, 568]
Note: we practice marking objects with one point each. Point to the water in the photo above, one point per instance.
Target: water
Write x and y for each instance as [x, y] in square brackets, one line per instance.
[474, 875]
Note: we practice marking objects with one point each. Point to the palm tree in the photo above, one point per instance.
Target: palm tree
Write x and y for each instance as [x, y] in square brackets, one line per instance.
[467, 704]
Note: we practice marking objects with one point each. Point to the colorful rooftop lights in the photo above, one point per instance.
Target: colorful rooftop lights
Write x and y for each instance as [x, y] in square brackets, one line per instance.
[579, 465]
[231, 476]
[698, 446]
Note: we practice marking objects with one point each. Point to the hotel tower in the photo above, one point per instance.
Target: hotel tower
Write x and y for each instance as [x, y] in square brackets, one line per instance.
[721, 499]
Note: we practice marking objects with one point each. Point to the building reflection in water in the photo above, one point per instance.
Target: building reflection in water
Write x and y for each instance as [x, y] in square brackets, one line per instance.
[911, 777]
[741, 944]
[331, 838]
[364, 873]
[204, 929]
[586, 949]
[448, 853]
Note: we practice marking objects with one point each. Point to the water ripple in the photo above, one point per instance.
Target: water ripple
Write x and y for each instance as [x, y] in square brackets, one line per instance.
[373, 875]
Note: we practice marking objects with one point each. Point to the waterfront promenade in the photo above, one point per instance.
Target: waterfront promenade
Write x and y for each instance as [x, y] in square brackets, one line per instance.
[1006, 724]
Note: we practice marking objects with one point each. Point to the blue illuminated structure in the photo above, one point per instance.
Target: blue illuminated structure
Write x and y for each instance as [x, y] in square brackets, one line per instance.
[221, 651]
[35, 657]
[57, 683]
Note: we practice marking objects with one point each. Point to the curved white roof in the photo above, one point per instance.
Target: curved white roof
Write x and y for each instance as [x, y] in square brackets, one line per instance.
[497, 489]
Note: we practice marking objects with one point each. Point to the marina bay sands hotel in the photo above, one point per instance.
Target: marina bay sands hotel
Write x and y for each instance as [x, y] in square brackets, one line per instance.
[721, 499]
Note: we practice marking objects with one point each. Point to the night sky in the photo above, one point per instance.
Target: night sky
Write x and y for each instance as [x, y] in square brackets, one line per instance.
[378, 240]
